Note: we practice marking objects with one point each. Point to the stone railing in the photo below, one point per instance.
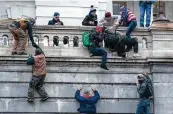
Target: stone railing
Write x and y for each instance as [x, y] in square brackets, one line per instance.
[69, 37]
[154, 43]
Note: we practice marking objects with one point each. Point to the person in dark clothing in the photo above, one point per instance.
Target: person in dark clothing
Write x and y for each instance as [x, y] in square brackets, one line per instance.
[95, 48]
[18, 29]
[55, 20]
[87, 102]
[91, 18]
[115, 42]
[142, 89]
[131, 42]
[39, 72]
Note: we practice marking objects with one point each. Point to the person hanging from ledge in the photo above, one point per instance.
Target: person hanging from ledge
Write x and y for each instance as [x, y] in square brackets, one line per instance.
[55, 20]
[18, 29]
[87, 101]
[39, 72]
[91, 18]
[95, 49]
[128, 19]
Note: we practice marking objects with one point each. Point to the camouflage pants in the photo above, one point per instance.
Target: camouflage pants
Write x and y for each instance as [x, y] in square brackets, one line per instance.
[19, 40]
[37, 83]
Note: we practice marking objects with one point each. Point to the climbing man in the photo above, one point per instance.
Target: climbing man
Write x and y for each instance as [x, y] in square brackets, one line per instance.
[39, 72]
[145, 90]
[18, 29]
[87, 101]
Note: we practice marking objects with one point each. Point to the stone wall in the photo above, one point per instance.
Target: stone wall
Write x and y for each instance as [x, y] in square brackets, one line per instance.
[70, 67]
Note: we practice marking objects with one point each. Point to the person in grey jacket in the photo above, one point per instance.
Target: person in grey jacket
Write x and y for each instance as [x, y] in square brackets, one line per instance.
[109, 20]
[142, 89]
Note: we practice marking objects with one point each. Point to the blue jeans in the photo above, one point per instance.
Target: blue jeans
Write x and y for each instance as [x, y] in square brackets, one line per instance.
[143, 107]
[131, 27]
[145, 8]
[100, 52]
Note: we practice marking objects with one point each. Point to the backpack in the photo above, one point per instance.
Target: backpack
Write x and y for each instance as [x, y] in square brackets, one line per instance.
[86, 39]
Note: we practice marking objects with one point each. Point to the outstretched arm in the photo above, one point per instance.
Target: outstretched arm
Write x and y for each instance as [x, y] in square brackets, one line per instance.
[29, 26]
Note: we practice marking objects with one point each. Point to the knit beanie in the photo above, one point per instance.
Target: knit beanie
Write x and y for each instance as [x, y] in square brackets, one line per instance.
[38, 51]
[108, 14]
[56, 14]
[92, 9]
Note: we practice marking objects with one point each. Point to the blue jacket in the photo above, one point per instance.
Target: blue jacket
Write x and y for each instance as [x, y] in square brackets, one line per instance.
[87, 105]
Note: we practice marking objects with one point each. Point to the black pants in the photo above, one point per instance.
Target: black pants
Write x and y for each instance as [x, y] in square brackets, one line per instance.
[121, 48]
[37, 83]
[131, 42]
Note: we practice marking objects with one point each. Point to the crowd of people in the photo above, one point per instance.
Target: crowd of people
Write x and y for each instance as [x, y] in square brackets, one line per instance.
[113, 40]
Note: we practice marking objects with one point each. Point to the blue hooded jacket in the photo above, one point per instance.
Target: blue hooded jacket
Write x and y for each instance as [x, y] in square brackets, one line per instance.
[87, 105]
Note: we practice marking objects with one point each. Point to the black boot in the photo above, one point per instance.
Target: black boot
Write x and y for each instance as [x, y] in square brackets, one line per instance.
[104, 67]
[14, 53]
[44, 98]
[30, 100]
[22, 53]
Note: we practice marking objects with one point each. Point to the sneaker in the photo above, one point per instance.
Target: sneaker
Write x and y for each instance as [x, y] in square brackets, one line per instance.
[14, 53]
[91, 55]
[22, 53]
[30, 100]
[44, 98]
[136, 55]
[104, 67]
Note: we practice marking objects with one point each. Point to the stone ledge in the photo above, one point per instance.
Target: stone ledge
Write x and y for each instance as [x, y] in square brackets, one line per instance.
[66, 106]
[66, 91]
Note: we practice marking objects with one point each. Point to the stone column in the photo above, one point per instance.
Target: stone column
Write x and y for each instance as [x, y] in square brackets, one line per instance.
[162, 32]
[163, 85]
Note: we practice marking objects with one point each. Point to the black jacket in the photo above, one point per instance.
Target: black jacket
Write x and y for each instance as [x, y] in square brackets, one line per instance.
[143, 90]
[53, 22]
[89, 18]
[87, 105]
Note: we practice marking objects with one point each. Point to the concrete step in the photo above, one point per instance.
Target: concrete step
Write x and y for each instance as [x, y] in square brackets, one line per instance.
[71, 52]
[55, 105]
[65, 74]
[70, 78]
[11, 90]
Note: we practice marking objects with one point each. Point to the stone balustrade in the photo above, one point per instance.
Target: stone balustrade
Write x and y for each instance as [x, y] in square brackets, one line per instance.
[70, 38]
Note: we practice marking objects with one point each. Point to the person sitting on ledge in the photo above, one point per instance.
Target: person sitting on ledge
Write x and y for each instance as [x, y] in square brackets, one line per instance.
[95, 46]
[91, 18]
[87, 102]
[55, 20]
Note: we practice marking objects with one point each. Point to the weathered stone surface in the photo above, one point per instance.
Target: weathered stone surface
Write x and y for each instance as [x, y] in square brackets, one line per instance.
[163, 105]
[162, 78]
[61, 106]
[68, 90]
[161, 90]
[71, 78]
[122, 69]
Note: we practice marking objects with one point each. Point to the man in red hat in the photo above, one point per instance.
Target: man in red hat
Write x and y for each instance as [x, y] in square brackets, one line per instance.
[109, 20]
